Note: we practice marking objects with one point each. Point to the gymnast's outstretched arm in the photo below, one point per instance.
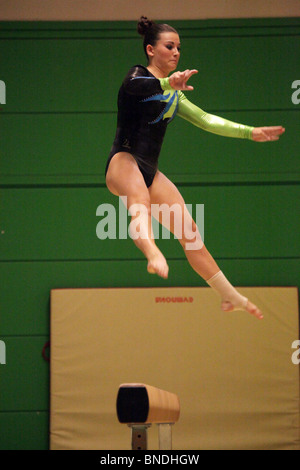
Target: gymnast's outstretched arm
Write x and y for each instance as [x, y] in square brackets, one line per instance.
[210, 122]
[224, 127]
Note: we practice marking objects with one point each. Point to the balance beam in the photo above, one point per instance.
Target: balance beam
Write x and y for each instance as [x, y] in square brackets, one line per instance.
[141, 405]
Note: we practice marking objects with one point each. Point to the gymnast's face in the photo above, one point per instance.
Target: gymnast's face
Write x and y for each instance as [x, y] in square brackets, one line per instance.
[166, 52]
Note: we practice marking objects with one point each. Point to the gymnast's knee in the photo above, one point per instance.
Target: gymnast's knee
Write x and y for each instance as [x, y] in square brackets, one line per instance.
[138, 205]
[191, 238]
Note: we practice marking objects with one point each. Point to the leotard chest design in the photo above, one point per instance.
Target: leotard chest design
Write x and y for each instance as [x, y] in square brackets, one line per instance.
[171, 101]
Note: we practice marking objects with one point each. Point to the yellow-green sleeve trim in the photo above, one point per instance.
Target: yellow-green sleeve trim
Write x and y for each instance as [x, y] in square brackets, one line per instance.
[164, 83]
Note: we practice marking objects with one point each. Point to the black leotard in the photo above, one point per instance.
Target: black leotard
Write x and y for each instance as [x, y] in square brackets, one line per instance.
[142, 120]
[146, 105]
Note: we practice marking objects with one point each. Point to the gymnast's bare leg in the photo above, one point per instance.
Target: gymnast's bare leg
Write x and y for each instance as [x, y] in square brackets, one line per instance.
[163, 191]
[124, 178]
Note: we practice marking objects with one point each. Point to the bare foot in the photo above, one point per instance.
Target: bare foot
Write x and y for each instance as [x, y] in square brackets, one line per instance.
[157, 265]
[250, 308]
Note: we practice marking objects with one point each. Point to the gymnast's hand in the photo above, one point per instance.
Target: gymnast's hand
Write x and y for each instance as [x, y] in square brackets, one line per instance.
[267, 134]
[178, 79]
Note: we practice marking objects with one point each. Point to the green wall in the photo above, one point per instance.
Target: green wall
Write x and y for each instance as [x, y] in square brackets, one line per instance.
[57, 128]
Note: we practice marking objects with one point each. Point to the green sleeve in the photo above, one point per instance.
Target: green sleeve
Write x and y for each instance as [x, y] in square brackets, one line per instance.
[211, 123]
[164, 83]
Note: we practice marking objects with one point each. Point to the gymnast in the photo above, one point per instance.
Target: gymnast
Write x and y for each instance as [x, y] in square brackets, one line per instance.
[147, 101]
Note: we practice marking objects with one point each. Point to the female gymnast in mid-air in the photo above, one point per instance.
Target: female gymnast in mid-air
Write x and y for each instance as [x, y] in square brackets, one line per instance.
[148, 100]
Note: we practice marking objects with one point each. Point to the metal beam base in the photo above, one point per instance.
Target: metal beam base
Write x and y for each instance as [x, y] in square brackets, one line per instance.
[139, 436]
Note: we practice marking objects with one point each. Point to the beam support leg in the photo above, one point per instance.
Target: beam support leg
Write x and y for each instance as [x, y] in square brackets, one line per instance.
[165, 436]
[139, 437]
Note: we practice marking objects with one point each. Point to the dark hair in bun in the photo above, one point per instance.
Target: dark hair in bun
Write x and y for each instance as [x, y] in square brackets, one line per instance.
[143, 25]
[151, 31]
